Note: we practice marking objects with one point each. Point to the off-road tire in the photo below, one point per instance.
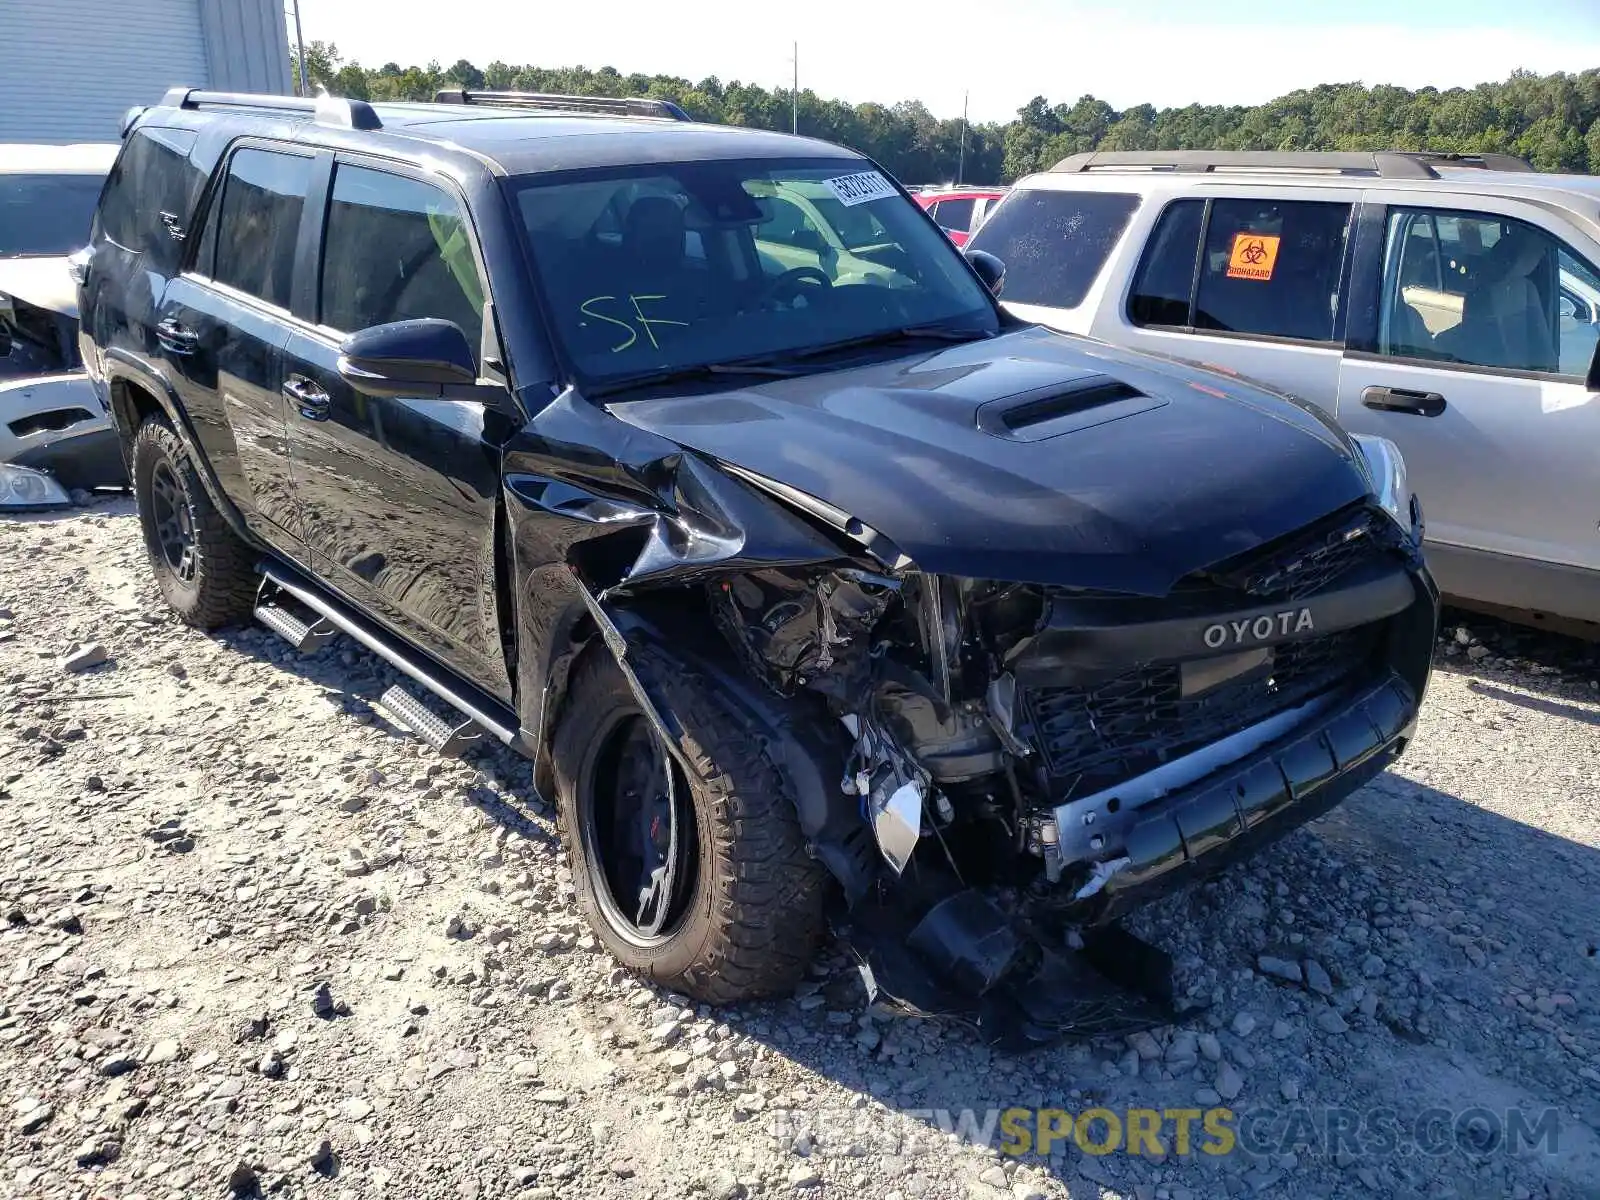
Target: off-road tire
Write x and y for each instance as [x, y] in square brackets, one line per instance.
[756, 917]
[222, 591]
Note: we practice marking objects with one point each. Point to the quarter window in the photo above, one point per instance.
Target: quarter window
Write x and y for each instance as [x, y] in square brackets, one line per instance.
[397, 249]
[1484, 290]
[1271, 269]
[1055, 243]
[150, 193]
[258, 223]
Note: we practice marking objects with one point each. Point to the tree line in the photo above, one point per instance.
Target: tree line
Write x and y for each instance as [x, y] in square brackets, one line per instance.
[1551, 120]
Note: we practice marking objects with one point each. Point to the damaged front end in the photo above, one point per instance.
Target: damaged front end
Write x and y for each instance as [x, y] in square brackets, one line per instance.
[994, 770]
[1042, 758]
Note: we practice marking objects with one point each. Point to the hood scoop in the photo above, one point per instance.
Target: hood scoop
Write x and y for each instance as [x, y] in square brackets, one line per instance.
[1052, 411]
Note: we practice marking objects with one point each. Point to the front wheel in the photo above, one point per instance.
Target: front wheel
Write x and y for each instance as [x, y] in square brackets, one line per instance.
[205, 572]
[699, 880]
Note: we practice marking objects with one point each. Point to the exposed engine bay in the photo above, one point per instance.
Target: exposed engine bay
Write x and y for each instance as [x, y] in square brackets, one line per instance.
[1023, 741]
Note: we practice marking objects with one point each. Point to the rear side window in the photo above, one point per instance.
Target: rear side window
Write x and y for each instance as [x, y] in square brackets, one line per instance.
[954, 214]
[258, 223]
[1269, 268]
[397, 249]
[1054, 244]
[150, 195]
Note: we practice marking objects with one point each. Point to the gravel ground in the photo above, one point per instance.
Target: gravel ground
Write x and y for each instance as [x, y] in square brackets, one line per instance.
[257, 940]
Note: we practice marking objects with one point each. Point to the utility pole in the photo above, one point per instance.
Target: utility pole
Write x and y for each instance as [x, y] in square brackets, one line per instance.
[300, 41]
[794, 93]
[961, 159]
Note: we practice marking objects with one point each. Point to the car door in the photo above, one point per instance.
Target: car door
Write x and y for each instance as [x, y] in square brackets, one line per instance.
[398, 496]
[1464, 361]
[221, 326]
[1251, 284]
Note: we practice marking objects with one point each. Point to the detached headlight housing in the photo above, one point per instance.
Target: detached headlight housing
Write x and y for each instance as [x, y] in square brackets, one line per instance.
[1386, 468]
[25, 488]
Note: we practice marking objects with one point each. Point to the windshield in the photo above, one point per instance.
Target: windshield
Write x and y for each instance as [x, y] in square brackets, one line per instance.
[46, 214]
[673, 266]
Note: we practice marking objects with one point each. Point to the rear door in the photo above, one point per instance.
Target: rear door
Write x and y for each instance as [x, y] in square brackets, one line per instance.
[221, 327]
[398, 497]
[1249, 284]
[954, 215]
[1464, 355]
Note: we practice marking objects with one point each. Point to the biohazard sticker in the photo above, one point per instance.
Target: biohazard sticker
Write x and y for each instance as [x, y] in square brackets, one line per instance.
[1253, 257]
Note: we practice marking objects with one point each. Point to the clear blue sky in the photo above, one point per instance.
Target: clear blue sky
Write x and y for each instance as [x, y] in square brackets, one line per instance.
[1001, 51]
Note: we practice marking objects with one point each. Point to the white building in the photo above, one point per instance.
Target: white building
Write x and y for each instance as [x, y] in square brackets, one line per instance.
[70, 69]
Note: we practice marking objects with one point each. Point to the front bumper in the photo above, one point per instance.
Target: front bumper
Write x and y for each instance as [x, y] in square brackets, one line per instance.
[1237, 811]
[57, 424]
[1299, 766]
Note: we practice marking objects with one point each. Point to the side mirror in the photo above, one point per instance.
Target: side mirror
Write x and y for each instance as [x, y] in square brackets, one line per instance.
[989, 268]
[408, 358]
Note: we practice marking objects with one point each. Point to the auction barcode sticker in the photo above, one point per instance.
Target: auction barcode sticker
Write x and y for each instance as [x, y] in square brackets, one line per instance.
[859, 188]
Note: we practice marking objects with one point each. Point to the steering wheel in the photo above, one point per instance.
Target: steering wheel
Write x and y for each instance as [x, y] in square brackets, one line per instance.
[790, 280]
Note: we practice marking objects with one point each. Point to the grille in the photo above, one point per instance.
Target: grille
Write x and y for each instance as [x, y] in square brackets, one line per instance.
[1101, 735]
[1309, 560]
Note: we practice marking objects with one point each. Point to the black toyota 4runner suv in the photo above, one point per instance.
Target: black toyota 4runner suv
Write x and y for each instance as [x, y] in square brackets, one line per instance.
[696, 465]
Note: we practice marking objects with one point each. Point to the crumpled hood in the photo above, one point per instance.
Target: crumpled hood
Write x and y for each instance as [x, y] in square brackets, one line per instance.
[1128, 495]
[41, 282]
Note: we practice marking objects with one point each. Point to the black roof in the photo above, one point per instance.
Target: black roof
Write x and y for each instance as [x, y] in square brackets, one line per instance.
[512, 141]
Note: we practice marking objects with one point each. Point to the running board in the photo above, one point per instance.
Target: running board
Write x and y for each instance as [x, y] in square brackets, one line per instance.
[483, 713]
[446, 739]
[303, 637]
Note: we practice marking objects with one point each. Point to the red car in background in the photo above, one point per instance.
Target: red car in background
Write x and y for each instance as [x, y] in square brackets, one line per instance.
[958, 210]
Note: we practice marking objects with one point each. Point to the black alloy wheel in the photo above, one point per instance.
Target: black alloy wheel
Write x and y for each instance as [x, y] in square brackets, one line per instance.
[639, 833]
[174, 522]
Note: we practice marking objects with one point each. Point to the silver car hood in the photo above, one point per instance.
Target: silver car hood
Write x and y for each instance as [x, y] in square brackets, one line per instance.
[42, 282]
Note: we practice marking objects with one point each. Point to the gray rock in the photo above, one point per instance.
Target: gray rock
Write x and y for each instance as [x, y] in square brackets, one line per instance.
[164, 1051]
[1145, 1045]
[1229, 1082]
[803, 1176]
[1022, 1189]
[1330, 1022]
[1290, 1089]
[243, 1180]
[721, 1184]
[1279, 968]
[355, 1109]
[1209, 1097]
[1244, 1025]
[1210, 1047]
[117, 1064]
[83, 657]
[35, 1119]
[1372, 966]
[97, 1151]
[1317, 978]
[1281, 1029]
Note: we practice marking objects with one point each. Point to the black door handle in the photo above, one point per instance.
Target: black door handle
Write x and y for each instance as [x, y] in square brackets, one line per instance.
[314, 403]
[1403, 400]
[175, 337]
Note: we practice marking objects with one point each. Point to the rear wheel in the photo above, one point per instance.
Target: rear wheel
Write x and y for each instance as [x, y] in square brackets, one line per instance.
[204, 570]
[698, 879]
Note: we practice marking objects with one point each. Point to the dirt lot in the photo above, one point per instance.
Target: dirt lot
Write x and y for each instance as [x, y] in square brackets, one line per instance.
[258, 940]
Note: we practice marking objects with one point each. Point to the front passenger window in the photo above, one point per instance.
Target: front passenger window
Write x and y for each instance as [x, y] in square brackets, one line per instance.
[1484, 290]
[397, 249]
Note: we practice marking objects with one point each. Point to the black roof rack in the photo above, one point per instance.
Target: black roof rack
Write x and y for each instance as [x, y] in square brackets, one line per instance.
[324, 110]
[1384, 164]
[621, 106]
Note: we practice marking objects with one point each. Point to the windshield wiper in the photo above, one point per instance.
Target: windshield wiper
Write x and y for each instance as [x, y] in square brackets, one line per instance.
[784, 365]
[699, 371]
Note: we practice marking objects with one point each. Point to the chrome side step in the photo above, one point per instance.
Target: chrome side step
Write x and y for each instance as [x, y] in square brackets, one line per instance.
[446, 739]
[306, 638]
[482, 713]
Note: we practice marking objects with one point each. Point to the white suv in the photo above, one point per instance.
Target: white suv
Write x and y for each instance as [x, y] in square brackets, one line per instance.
[1448, 303]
